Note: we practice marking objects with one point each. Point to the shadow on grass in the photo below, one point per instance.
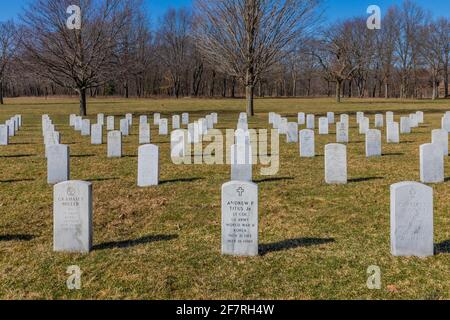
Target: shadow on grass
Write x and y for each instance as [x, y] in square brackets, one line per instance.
[135, 242]
[82, 155]
[447, 179]
[19, 156]
[16, 237]
[443, 247]
[404, 142]
[272, 179]
[393, 154]
[102, 179]
[292, 244]
[356, 180]
[16, 180]
[179, 180]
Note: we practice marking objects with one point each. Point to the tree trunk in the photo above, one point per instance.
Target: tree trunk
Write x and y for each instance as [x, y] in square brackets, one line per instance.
[338, 91]
[249, 93]
[1, 92]
[446, 78]
[83, 112]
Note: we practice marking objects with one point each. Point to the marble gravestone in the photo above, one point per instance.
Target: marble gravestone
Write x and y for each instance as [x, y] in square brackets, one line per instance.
[4, 135]
[342, 132]
[215, 117]
[72, 119]
[209, 121]
[307, 145]
[129, 117]
[292, 132]
[330, 117]
[241, 160]
[163, 127]
[178, 144]
[240, 218]
[405, 127]
[420, 117]
[335, 164]
[143, 119]
[156, 119]
[97, 134]
[389, 117]
[193, 133]
[431, 163]
[359, 117]
[392, 132]
[310, 121]
[114, 144]
[373, 143]
[58, 163]
[72, 217]
[446, 123]
[148, 165]
[323, 126]
[185, 119]
[364, 125]
[124, 127]
[144, 133]
[101, 119]
[440, 138]
[301, 118]
[86, 127]
[11, 128]
[284, 126]
[379, 121]
[110, 125]
[413, 120]
[412, 220]
[176, 122]
[345, 119]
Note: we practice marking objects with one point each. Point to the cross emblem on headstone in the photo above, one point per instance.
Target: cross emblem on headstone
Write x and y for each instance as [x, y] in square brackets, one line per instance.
[240, 191]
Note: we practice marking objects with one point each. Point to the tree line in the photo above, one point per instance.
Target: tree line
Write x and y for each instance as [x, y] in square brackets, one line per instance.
[222, 48]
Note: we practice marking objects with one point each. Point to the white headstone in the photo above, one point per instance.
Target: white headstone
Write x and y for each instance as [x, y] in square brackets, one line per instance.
[240, 218]
[364, 125]
[389, 117]
[393, 132]
[405, 127]
[143, 119]
[129, 117]
[310, 121]
[342, 132]
[72, 118]
[373, 143]
[148, 165]
[359, 117]
[72, 217]
[241, 161]
[58, 163]
[292, 134]
[110, 125]
[97, 134]
[185, 119]
[412, 220]
[4, 135]
[323, 125]
[163, 127]
[307, 145]
[124, 127]
[379, 121]
[101, 119]
[431, 163]
[176, 122]
[178, 144]
[345, 119]
[144, 133]
[330, 117]
[114, 144]
[335, 164]
[301, 118]
[440, 138]
[86, 127]
[156, 118]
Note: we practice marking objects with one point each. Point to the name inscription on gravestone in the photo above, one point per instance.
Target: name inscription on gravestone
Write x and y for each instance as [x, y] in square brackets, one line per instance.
[240, 218]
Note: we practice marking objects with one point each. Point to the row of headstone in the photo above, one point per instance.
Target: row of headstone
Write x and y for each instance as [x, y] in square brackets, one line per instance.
[9, 129]
[57, 154]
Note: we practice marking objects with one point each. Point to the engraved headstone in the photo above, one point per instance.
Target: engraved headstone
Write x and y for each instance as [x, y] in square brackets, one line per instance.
[440, 138]
[58, 163]
[176, 122]
[163, 127]
[97, 134]
[148, 165]
[389, 117]
[342, 132]
[301, 118]
[364, 125]
[405, 127]
[144, 133]
[307, 145]
[292, 134]
[373, 143]
[431, 163]
[393, 132]
[379, 121]
[114, 144]
[110, 125]
[241, 160]
[101, 119]
[185, 119]
[323, 125]
[310, 121]
[86, 127]
[240, 219]
[124, 127]
[335, 164]
[412, 220]
[72, 217]
[330, 117]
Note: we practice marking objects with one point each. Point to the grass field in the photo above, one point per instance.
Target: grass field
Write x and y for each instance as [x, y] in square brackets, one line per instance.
[317, 240]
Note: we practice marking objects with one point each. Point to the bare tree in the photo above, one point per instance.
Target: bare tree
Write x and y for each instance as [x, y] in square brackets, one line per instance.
[8, 41]
[78, 59]
[245, 38]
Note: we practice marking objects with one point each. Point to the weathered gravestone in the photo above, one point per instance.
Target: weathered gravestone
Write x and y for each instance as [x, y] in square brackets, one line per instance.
[4, 136]
[307, 145]
[110, 123]
[405, 127]
[392, 132]
[240, 219]
[114, 144]
[301, 118]
[185, 119]
[144, 133]
[72, 217]
[364, 125]
[124, 127]
[101, 119]
[97, 134]
[143, 119]
[440, 138]
[389, 117]
[330, 117]
[148, 165]
[176, 122]
[345, 119]
[292, 132]
[163, 127]
[342, 132]
[58, 163]
[310, 121]
[323, 125]
[412, 220]
[379, 121]
[86, 127]
[373, 143]
[335, 164]
[431, 163]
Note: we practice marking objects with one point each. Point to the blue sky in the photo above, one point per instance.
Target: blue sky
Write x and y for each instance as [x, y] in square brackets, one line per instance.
[335, 9]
